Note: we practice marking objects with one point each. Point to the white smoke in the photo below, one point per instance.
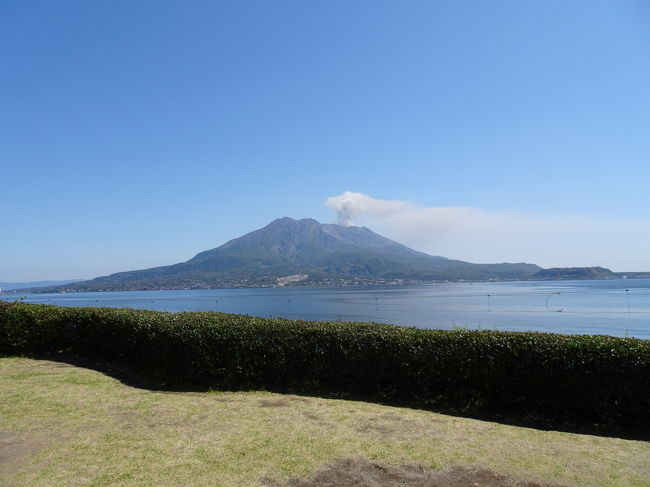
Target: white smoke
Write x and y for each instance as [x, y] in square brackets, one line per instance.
[480, 235]
[355, 208]
[350, 206]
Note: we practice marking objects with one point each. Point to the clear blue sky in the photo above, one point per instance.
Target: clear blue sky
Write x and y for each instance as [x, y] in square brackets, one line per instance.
[138, 133]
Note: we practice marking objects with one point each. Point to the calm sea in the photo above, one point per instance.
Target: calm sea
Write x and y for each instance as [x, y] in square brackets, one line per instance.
[619, 307]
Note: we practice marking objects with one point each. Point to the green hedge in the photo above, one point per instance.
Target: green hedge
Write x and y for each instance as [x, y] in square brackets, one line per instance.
[595, 379]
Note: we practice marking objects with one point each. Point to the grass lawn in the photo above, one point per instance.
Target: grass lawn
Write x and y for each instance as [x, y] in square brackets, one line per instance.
[62, 425]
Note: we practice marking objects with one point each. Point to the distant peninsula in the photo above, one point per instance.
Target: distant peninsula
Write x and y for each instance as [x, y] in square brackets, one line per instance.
[579, 273]
[556, 273]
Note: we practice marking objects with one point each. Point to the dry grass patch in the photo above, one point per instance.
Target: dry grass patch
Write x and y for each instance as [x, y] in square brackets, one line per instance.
[362, 473]
[71, 426]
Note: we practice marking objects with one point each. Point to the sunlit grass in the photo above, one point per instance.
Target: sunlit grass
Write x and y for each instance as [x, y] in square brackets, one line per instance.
[64, 425]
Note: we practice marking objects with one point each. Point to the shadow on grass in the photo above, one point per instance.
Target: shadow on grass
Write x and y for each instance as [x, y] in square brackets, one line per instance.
[135, 375]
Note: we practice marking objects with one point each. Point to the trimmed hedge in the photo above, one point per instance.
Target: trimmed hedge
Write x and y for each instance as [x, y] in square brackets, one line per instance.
[563, 378]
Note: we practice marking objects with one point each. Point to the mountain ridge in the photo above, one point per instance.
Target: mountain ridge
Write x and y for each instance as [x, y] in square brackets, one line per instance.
[328, 254]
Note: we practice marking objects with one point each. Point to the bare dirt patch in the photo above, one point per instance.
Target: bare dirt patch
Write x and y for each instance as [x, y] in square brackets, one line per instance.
[49, 364]
[382, 430]
[281, 402]
[363, 473]
[274, 403]
[14, 450]
[312, 417]
[184, 393]
[157, 417]
[391, 426]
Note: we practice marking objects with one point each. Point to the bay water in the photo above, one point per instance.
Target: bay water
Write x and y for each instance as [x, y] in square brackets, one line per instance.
[618, 307]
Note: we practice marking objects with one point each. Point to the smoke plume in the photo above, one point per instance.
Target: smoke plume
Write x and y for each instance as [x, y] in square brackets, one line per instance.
[479, 235]
[349, 206]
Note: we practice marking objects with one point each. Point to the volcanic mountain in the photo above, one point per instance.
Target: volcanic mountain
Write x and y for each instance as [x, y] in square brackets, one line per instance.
[305, 251]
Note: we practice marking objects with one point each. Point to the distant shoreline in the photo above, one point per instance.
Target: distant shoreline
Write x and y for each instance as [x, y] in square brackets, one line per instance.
[347, 283]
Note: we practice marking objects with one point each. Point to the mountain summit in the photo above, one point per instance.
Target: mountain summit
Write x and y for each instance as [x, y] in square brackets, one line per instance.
[287, 251]
[303, 241]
